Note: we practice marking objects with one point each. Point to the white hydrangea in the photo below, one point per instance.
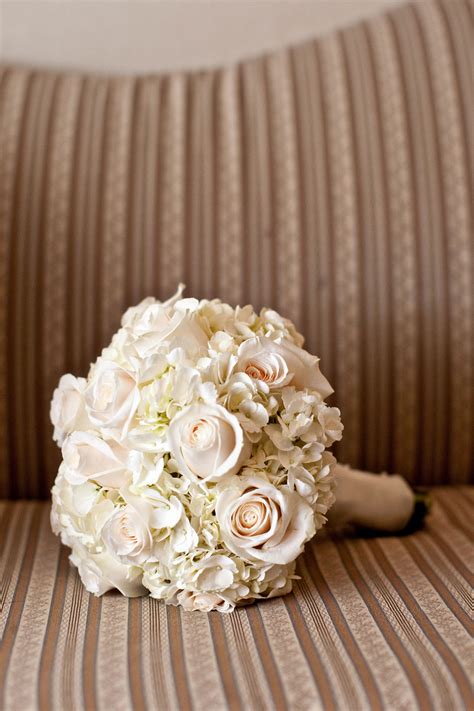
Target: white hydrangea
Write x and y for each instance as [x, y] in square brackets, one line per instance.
[195, 462]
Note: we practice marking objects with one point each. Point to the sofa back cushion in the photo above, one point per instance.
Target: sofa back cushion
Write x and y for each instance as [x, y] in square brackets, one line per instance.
[329, 181]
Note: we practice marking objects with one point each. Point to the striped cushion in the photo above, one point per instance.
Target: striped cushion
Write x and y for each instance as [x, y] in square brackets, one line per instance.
[379, 623]
[329, 181]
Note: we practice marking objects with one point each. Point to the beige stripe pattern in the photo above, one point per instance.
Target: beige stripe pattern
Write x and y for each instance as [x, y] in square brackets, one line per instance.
[372, 623]
[330, 181]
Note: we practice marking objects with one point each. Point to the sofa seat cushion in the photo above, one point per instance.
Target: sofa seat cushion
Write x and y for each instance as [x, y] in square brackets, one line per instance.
[373, 622]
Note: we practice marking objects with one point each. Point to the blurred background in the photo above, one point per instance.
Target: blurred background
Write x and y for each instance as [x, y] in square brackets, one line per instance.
[155, 35]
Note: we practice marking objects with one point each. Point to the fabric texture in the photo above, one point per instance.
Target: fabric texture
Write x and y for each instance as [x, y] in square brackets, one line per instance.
[330, 181]
[378, 623]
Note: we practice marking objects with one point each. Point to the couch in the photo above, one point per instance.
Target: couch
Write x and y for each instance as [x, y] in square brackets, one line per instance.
[332, 181]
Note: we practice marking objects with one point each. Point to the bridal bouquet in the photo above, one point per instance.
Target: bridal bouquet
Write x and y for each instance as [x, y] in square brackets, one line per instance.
[195, 455]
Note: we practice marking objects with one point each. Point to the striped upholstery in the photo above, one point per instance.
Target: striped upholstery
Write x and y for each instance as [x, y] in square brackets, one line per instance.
[329, 181]
[380, 623]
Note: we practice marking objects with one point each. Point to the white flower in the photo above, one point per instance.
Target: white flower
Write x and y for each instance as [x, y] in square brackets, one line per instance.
[101, 572]
[84, 497]
[272, 580]
[127, 534]
[79, 512]
[203, 601]
[177, 324]
[302, 481]
[277, 327]
[330, 420]
[146, 468]
[279, 363]
[217, 369]
[215, 573]
[280, 438]
[88, 457]
[160, 581]
[262, 522]
[207, 441]
[164, 512]
[134, 313]
[181, 539]
[238, 322]
[67, 407]
[261, 360]
[112, 396]
[252, 408]
[221, 342]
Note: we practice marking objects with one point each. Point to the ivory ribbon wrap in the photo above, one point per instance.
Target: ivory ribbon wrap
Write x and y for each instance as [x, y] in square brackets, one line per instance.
[380, 501]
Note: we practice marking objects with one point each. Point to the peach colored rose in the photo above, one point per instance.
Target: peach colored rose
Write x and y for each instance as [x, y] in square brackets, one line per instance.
[111, 397]
[260, 522]
[280, 363]
[88, 457]
[127, 535]
[207, 441]
[67, 407]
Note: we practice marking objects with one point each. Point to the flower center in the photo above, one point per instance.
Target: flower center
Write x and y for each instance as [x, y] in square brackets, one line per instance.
[257, 371]
[105, 391]
[201, 434]
[251, 518]
[127, 530]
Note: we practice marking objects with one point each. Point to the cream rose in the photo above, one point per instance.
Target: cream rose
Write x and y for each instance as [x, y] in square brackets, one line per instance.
[133, 314]
[260, 522]
[88, 457]
[67, 407]
[112, 396]
[127, 535]
[101, 572]
[207, 441]
[279, 363]
[174, 322]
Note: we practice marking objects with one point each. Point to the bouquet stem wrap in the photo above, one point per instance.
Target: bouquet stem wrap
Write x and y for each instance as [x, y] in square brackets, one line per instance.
[380, 502]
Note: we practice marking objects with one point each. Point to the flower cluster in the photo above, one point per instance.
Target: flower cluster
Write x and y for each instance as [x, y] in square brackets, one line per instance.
[195, 462]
